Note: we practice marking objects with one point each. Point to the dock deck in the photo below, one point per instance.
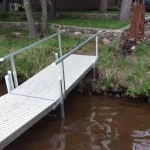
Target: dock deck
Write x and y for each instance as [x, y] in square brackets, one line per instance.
[28, 103]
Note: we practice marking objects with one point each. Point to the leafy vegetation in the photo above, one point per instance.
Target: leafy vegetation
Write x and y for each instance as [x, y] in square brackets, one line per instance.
[113, 9]
[35, 59]
[131, 73]
[93, 22]
[88, 12]
[12, 17]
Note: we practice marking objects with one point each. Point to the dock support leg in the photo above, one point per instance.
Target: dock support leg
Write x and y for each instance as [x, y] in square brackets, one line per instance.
[94, 71]
[61, 99]
[62, 67]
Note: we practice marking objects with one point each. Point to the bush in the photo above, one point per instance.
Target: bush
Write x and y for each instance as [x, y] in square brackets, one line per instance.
[114, 8]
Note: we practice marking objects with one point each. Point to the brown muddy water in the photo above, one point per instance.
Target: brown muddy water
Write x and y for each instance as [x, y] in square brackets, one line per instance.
[92, 123]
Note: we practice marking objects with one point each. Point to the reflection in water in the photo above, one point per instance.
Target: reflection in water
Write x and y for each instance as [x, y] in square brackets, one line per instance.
[141, 144]
[59, 139]
[137, 133]
[92, 123]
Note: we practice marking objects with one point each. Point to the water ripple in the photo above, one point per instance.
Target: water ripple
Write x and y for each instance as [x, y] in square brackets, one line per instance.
[139, 134]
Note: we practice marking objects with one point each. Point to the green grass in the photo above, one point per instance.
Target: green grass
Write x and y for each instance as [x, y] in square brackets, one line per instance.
[94, 22]
[32, 61]
[132, 73]
[12, 17]
[88, 12]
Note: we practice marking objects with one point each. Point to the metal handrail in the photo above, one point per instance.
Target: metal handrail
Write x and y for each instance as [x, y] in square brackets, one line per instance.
[29, 47]
[11, 56]
[75, 49]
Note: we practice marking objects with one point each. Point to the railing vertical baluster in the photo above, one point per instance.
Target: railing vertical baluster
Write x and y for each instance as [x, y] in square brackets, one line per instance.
[62, 67]
[14, 71]
[11, 80]
[7, 80]
[97, 47]
[60, 46]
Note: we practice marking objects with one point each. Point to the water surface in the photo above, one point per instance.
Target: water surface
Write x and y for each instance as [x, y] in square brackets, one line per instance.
[92, 123]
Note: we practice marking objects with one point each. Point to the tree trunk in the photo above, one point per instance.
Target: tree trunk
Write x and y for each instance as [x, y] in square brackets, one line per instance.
[30, 18]
[52, 10]
[5, 5]
[137, 21]
[103, 6]
[44, 15]
[125, 11]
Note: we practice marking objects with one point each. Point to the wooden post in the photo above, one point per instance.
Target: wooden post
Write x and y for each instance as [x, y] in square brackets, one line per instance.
[137, 20]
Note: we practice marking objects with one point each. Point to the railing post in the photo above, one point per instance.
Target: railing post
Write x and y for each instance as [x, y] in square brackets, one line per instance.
[14, 70]
[56, 56]
[60, 46]
[62, 67]
[96, 47]
[63, 78]
[61, 100]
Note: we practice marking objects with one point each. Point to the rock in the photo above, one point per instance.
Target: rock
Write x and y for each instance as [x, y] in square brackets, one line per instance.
[133, 48]
[108, 34]
[149, 99]
[125, 33]
[79, 35]
[148, 41]
[101, 35]
[147, 34]
[106, 41]
[117, 95]
[111, 38]
[138, 42]
[148, 24]
[146, 28]
[123, 95]
[72, 30]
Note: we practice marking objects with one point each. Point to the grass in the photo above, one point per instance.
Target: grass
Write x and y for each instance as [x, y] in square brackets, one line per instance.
[93, 22]
[32, 61]
[132, 73]
[110, 10]
[87, 12]
[12, 17]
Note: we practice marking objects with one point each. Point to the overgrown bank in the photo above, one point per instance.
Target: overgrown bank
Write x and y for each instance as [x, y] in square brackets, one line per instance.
[115, 73]
[35, 59]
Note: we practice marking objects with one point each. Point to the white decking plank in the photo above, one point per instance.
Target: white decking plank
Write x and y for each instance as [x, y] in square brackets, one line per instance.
[45, 84]
[19, 113]
[32, 100]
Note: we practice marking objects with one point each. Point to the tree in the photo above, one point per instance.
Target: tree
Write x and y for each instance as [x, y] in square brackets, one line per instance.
[103, 6]
[30, 18]
[137, 20]
[125, 11]
[5, 5]
[44, 15]
[52, 9]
